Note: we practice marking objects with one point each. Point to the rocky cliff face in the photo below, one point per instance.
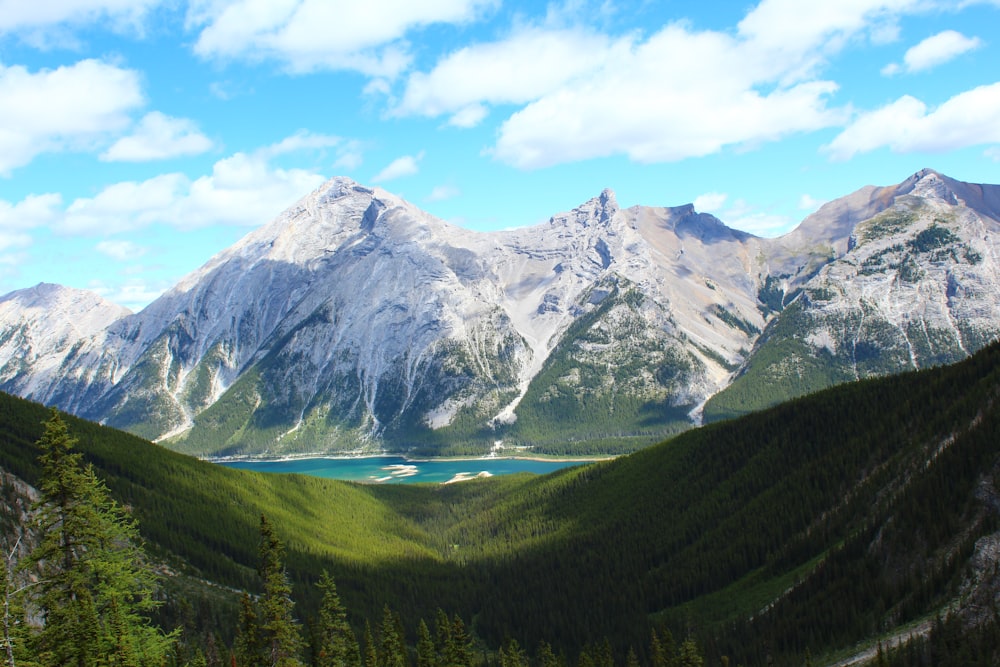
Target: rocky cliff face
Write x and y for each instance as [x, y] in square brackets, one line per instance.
[918, 284]
[355, 321]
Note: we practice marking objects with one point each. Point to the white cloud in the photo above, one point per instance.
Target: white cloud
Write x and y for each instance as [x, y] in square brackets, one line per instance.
[19, 15]
[796, 37]
[971, 118]
[68, 108]
[17, 220]
[762, 224]
[891, 69]
[157, 137]
[243, 189]
[710, 201]
[442, 192]
[938, 49]
[993, 153]
[666, 96]
[135, 294]
[809, 203]
[124, 206]
[308, 35]
[680, 94]
[348, 152]
[528, 64]
[469, 116]
[407, 165]
[121, 250]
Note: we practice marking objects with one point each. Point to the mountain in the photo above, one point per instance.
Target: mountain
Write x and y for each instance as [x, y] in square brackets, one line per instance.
[355, 322]
[913, 284]
[831, 522]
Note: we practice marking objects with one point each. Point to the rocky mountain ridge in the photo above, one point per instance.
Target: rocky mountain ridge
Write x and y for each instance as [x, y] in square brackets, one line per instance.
[355, 321]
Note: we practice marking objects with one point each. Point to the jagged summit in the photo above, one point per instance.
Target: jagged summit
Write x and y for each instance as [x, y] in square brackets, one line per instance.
[356, 321]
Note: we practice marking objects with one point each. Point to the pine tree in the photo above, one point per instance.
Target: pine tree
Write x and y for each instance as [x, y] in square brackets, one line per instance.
[512, 655]
[546, 657]
[337, 645]
[95, 586]
[426, 652]
[392, 650]
[13, 635]
[371, 652]
[442, 638]
[461, 644]
[278, 631]
[689, 654]
[247, 648]
[658, 656]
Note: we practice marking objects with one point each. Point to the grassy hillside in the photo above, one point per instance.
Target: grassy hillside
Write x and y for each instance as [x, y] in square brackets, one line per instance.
[813, 525]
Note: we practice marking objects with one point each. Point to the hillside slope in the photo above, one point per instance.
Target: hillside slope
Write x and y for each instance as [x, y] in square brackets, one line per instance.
[816, 524]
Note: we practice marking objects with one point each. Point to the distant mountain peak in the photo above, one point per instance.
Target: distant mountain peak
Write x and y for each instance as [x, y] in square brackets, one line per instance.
[355, 316]
[598, 210]
[928, 183]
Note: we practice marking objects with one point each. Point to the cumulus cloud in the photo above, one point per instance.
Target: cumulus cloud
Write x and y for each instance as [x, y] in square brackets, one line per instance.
[244, 189]
[971, 118]
[938, 49]
[121, 250]
[796, 37]
[134, 294]
[710, 201]
[665, 96]
[443, 192]
[348, 152]
[158, 137]
[933, 51]
[308, 35]
[809, 203]
[407, 165]
[528, 64]
[19, 15]
[680, 94]
[670, 95]
[17, 220]
[71, 107]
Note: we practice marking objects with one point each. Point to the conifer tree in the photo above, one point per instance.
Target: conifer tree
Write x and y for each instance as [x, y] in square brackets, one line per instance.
[392, 650]
[95, 584]
[247, 648]
[13, 634]
[279, 633]
[546, 657]
[513, 655]
[371, 652]
[338, 647]
[426, 652]
[658, 656]
[461, 644]
[442, 638]
[689, 655]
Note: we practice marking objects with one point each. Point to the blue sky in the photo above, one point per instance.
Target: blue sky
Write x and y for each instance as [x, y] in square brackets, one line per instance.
[140, 137]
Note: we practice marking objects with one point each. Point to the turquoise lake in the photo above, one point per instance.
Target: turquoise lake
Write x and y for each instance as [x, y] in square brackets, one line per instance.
[399, 470]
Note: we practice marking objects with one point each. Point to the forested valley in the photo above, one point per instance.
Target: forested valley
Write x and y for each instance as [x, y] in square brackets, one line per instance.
[856, 517]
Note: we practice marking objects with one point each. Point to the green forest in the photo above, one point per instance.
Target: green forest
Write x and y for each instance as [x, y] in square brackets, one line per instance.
[788, 536]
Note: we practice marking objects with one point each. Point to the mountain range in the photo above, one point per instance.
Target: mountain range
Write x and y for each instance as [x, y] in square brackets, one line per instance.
[357, 322]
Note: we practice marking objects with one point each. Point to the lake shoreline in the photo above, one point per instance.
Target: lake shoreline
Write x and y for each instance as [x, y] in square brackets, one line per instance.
[423, 459]
[396, 468]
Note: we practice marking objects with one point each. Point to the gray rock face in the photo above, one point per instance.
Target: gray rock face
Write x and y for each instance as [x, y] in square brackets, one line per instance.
[917, 284]
[355, 321]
